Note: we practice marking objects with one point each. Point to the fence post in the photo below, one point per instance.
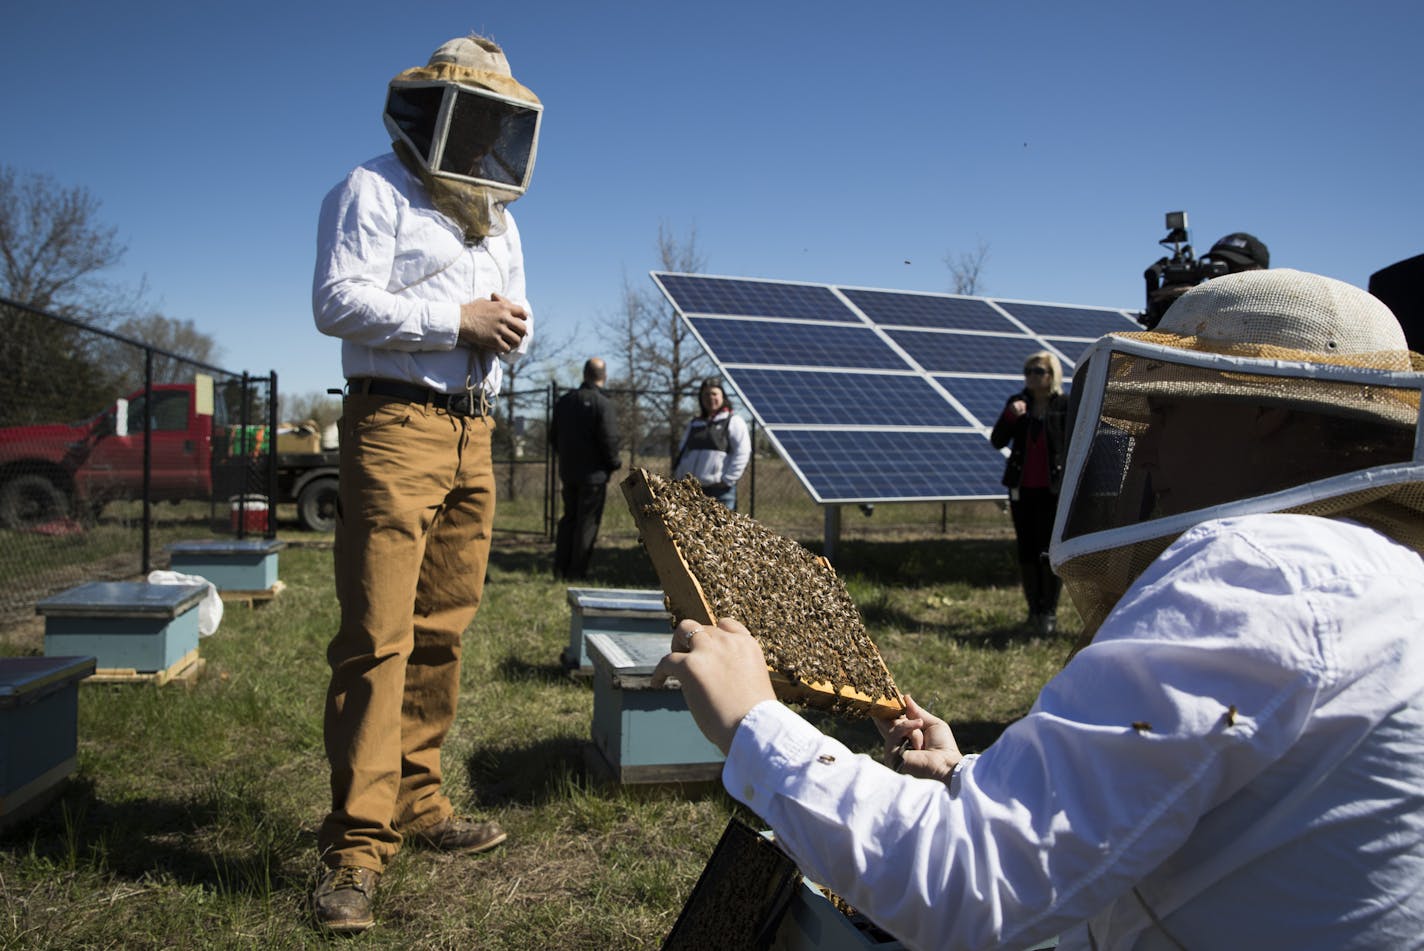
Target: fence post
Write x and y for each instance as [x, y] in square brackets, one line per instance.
[550, 477]
[147, 458]
[271, 492]
[751, 509]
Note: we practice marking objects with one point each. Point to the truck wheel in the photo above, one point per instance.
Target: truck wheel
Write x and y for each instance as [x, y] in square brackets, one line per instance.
[29, 500]
[316, 506]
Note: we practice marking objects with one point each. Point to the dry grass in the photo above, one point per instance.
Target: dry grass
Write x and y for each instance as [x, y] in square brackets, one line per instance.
[191, 821]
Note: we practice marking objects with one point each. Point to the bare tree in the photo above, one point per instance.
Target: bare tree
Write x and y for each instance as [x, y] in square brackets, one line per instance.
[179, 337]
[664, 359]
[52, 250]
[533, 371]
[967, 268]
[317, 405]
[52, 247]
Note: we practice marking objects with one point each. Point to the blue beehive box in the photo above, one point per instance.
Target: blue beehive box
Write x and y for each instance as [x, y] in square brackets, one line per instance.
[232, 564]
[39, 729]
[612, 611]
[125, 625]
[643, 734]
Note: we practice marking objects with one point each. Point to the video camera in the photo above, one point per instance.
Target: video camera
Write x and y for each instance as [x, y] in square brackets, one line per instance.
[1170, 277]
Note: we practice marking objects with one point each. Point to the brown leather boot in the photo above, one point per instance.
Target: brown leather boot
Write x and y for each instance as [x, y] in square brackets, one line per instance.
[460, 834]
[342, 899]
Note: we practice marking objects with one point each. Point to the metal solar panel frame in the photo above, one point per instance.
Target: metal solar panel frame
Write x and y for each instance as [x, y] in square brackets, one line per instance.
[755, 302]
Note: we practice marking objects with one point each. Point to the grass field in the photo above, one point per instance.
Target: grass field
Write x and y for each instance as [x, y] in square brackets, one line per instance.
[191, 820]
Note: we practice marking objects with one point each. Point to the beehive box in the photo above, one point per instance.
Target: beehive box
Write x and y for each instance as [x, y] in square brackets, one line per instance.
[39, 730]
[125, 625]
[232, 564]
[751, 897]
[611, 611]
[813, 922]
[641, 733]
[739, 898]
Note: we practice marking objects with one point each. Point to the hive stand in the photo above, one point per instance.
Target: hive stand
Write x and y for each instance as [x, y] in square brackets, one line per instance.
[135, 631]
[39, 730]
[611, 611]
[242, 569]
[643, 734]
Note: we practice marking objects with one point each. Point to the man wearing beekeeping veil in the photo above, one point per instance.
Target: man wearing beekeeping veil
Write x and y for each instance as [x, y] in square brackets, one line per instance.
[1234, 757]
[419, 271]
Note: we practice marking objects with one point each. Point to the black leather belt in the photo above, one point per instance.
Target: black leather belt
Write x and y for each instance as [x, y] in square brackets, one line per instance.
[462, 403]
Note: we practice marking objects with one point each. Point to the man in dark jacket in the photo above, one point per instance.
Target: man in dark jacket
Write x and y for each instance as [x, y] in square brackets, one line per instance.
[585, 437]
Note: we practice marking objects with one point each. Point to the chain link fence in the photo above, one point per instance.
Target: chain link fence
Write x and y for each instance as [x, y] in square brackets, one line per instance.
[110, 450]
[768, 491]
[526, 470]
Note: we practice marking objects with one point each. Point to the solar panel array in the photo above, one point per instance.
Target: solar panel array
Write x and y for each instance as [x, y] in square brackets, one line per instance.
[879, 395]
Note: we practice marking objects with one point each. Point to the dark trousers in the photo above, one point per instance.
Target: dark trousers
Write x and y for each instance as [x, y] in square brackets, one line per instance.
[578, 528]
[1033, 512]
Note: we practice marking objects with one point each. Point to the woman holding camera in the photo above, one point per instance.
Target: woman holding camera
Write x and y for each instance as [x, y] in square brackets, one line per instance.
[1034, 425]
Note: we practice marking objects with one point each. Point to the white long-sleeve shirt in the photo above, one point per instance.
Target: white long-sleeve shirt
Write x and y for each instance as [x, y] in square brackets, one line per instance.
[1239, 754]
[391, 274]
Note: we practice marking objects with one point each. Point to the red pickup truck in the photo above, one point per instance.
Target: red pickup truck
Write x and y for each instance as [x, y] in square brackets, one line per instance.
[57, 470]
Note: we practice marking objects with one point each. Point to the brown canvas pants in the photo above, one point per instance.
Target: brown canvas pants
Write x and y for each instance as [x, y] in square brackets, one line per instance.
[412, 542]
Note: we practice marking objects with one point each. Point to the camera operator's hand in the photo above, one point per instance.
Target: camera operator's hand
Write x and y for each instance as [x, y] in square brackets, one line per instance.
[1018, 408]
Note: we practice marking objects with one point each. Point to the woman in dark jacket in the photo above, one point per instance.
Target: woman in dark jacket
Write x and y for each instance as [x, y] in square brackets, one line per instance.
[1034, 426]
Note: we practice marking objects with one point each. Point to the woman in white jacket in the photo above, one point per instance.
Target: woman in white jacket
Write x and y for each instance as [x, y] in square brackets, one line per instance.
[716, 446]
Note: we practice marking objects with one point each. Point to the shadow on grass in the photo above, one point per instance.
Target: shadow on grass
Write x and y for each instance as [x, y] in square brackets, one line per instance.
[540, 773]
[996, 636]
[615, 564]
[141, 839]
[977, 562]
[537, 774]
[525, 775]
[516, 669]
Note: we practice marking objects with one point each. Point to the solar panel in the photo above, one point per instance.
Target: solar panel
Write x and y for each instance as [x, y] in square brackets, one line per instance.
[985, 397]
[819, 397]
[794, 344]
[907, 465]
[948, 352]
[876, 395]
[895, 308]
[1087, 323]
[710, 295]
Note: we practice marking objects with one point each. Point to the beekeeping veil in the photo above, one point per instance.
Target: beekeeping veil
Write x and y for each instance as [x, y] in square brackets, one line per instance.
[468, 130]
[1320, 360]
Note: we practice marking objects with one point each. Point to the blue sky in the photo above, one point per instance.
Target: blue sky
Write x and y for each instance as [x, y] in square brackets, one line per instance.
[838, 142]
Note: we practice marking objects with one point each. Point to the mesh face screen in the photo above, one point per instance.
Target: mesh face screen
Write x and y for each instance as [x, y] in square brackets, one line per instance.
[489, 139]
[462, 132]
[1171, 439]
[414, 110]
